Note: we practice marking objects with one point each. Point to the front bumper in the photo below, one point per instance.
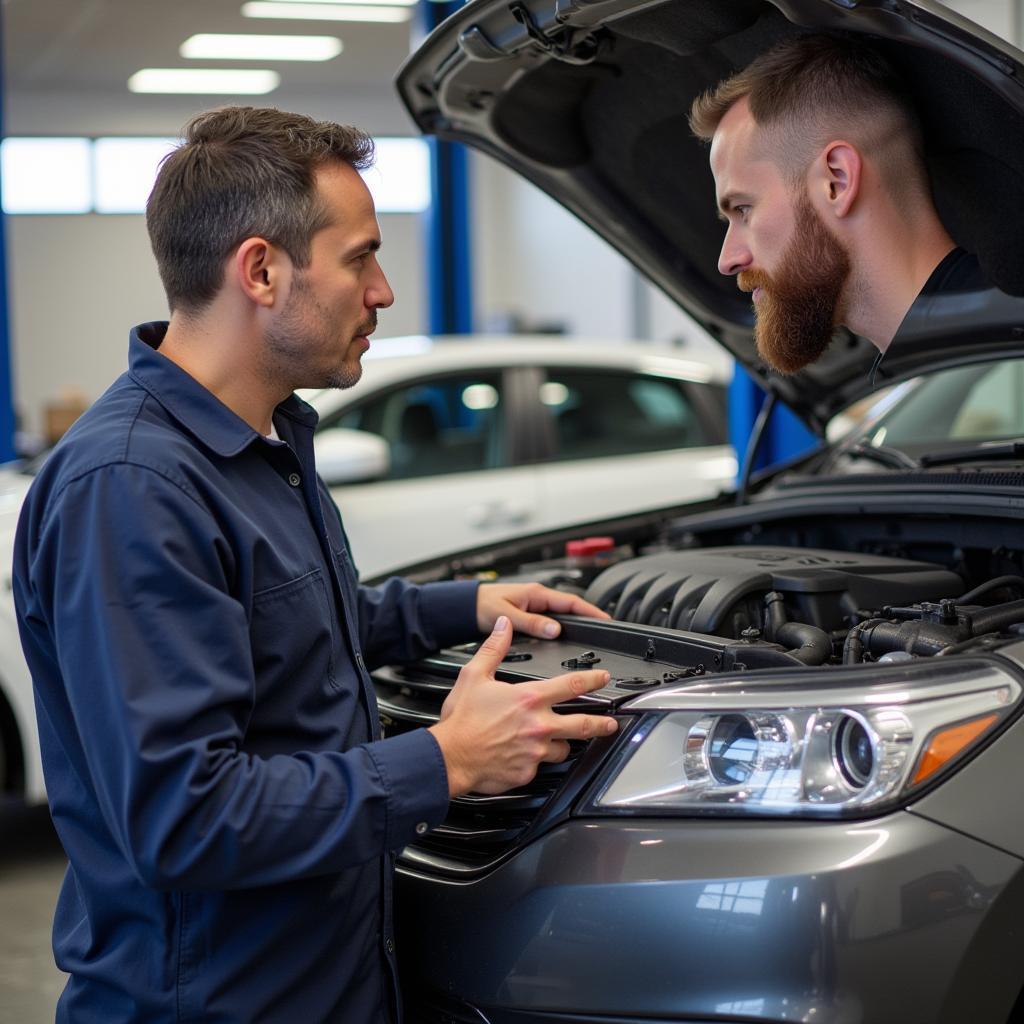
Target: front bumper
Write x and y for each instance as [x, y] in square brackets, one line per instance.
[896, 919]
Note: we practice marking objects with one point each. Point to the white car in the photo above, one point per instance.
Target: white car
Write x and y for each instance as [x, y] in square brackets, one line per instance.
[464, 442]
[450, 443]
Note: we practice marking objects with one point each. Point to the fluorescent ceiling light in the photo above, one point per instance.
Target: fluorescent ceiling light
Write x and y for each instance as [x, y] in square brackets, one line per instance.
[205, 81]
[315, 11]
[370, 3]
[215, 46]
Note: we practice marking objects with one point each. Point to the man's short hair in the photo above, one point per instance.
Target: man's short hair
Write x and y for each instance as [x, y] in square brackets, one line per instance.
[810, 89]
[241, 172]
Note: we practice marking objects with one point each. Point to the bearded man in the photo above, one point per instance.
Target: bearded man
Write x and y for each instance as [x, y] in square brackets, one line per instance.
[820, 178]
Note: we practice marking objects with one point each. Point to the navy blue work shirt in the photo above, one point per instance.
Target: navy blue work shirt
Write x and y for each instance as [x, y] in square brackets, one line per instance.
[199, 646]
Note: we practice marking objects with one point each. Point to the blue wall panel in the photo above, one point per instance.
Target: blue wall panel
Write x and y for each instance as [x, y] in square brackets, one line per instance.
[786, 435]
[6, 392]
[449, 260]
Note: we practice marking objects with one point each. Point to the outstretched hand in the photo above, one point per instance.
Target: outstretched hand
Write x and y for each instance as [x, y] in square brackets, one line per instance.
[522, 603]
[493, 735]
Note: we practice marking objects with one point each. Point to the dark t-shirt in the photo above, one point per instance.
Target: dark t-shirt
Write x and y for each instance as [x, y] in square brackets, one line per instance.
[959, 271]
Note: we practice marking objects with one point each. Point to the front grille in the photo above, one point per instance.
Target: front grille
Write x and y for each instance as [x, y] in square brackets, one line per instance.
[479, 830]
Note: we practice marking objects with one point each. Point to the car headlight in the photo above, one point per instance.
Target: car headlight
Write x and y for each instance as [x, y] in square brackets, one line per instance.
[817, 745]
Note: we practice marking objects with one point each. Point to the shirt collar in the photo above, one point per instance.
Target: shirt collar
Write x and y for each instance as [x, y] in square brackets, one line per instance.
[192, 405]
[957, 269]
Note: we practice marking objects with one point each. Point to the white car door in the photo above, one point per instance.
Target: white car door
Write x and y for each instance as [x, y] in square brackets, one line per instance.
[450, 485]
[625, 441]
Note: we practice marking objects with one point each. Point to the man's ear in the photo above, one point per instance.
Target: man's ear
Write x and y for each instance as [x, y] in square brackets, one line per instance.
[839, 170]
[263, 271]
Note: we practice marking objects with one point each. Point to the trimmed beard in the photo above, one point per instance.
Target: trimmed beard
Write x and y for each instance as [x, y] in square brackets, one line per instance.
[800, 304]
[304, 324]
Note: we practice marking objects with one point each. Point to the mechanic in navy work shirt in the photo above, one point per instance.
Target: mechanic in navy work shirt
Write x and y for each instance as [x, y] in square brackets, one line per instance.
[821, 180]
[198, 639]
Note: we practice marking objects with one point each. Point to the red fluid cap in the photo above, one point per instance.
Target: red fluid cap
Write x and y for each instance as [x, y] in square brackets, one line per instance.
[588, 546]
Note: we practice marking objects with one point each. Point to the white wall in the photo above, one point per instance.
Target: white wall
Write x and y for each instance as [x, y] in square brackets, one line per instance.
[1001, 17]
[535, 262]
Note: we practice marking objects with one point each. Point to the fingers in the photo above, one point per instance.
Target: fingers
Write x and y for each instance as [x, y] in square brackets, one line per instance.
[492, 651]
[583, 727]
[572, 684]
[558, 751]
[535, 625]
[571, 604]
[523, 601]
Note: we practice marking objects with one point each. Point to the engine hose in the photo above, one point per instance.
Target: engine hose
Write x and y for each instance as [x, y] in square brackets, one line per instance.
[809, 644]
[925, 639]
[991, 620]
[775, 614]
[990, 585]
[853, 647]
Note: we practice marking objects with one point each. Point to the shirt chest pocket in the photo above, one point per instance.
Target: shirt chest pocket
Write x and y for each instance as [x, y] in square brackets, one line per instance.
[294, 638]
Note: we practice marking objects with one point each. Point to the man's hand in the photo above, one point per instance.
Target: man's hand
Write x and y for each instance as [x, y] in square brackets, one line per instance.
[521, 601]
[493, 735]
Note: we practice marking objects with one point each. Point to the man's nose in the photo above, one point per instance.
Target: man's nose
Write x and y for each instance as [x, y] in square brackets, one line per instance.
[734, 257]
[379, 295]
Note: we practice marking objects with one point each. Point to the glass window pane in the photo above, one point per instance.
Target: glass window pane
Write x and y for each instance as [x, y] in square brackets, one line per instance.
[976, 403]
[125, 172]
[603, 414]
[995, 406]
[46, 175]
[399, 179]
[449, 425]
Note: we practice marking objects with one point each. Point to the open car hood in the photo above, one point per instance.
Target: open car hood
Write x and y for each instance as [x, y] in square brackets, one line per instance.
[588, 99]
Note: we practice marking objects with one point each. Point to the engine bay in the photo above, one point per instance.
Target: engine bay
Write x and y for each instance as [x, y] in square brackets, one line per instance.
[702, 604]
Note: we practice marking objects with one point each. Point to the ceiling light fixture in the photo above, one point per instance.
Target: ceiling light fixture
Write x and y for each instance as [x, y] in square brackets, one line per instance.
[216, 46]
[204, 81]
[365, 3]
[316, 11]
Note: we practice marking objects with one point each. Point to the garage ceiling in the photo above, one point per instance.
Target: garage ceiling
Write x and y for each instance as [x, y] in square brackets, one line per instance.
[77, 55]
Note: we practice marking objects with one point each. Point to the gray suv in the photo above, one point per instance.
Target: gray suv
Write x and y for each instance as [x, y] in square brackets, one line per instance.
[808, 812]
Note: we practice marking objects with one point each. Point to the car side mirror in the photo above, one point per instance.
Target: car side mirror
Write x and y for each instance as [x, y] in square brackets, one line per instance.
[350, 456]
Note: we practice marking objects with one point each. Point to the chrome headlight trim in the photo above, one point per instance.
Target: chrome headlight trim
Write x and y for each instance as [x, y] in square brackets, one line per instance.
[769, 747]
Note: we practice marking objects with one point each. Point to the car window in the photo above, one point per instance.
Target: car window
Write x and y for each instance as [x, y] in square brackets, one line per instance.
[994, 406]
[446, 425]
[610, 413]
[973, 403]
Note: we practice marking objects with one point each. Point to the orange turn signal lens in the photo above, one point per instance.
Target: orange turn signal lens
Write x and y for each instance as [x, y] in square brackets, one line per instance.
[945, 745]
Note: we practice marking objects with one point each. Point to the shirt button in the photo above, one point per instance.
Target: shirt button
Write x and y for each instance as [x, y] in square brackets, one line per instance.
[390, 945]
[360, 662]
[421, 828]
[294, 479]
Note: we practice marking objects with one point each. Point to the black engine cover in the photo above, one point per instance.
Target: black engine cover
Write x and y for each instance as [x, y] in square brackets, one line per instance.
[721, 590]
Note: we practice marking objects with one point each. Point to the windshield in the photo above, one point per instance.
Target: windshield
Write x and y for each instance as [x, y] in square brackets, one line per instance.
[969, 405]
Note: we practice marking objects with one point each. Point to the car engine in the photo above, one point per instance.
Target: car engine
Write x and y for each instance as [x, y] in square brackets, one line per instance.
[704, 617]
